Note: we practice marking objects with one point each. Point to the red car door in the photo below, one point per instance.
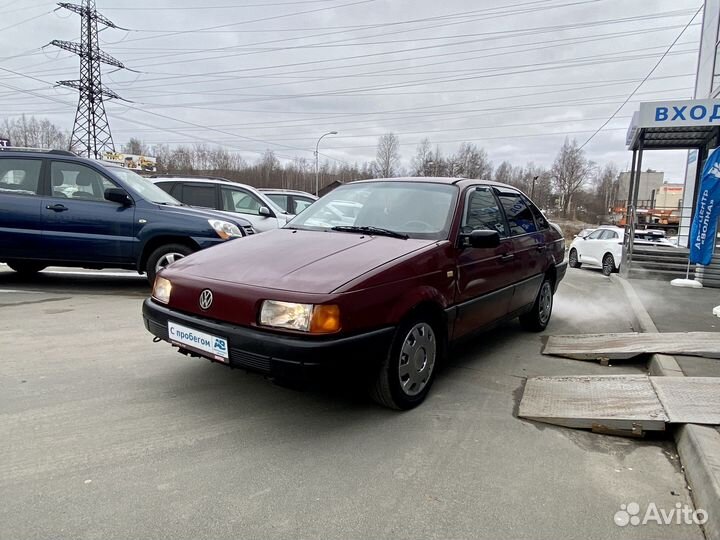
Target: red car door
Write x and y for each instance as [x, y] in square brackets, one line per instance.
[485, 276]
[528, 244]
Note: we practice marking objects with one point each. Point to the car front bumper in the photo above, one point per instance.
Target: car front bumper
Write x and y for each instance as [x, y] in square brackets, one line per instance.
[275, 354]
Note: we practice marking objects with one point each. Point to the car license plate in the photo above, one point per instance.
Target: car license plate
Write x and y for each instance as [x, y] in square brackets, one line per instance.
[209, 345]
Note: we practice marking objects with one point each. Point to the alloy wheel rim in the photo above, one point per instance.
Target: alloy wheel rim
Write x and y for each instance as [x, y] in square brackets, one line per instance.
[545, 302]
[167, 259]
[417, 359]
[573, 257]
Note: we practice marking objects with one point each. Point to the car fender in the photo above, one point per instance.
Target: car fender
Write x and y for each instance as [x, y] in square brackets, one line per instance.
[423, 295]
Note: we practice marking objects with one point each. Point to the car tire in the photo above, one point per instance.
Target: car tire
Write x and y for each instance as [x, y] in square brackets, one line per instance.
[573, 259]
[537, 319]
[408, 371]
[608, 264]
[163, 256]
[26, 268]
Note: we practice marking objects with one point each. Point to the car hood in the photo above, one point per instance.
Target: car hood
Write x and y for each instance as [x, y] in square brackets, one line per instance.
[206, 213]
[296, 260]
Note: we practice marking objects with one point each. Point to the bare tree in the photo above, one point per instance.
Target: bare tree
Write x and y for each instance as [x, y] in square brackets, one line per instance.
[471, 162]
[569, 172]
[135, 146]
[422, 163]
[504, 172]
[34, 133]
[387, 156]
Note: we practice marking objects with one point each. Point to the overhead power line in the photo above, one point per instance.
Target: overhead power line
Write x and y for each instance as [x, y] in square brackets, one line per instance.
[657, 64]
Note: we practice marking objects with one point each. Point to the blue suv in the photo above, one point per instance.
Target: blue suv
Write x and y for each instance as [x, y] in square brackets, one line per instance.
[60, 209]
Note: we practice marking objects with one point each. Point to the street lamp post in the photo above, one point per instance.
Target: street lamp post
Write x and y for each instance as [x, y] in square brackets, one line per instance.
[317, 162]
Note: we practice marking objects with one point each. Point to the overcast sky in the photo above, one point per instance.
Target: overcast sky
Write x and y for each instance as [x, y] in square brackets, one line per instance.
[514, 77]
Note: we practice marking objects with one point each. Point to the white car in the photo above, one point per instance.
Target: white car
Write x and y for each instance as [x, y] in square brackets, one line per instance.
[603, 247]
[219, 194]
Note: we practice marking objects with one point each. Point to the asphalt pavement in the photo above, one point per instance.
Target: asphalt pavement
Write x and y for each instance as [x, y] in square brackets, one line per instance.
[105, 434]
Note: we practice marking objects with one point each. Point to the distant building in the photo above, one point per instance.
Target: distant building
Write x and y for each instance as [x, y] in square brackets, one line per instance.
[669, 197]
[328, 188]
[650, 183]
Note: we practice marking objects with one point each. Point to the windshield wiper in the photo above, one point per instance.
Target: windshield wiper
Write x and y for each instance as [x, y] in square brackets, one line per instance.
[369, 229]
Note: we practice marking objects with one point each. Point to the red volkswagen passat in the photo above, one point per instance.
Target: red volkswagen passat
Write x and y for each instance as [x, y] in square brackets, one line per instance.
[378, 273]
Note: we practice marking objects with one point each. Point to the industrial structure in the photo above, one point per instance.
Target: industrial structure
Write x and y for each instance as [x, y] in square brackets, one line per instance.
[91, 135]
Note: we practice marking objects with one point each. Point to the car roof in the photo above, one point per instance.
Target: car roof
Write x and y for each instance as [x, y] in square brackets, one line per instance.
[199, 180]
[461, 182]
[281, 190]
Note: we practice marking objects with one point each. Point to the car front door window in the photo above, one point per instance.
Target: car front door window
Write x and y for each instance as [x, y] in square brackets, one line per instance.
[519, 217]
[482, 212]
[75, 181]
[242, 202]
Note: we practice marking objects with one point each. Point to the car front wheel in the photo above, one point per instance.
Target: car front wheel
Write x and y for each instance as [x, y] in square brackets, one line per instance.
[573, 261]
[163, 256]
[408, 371]
[608, 264]
[27, 268]
[537, 319]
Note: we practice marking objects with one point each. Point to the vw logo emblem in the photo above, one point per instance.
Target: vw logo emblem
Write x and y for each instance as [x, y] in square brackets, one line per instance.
[206, 299]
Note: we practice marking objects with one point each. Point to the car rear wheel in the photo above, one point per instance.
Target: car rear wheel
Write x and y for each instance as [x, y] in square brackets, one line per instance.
[27, 268]
[608, 264]
[573, 259]
[408, 371]
[164, 256]
[537, 319]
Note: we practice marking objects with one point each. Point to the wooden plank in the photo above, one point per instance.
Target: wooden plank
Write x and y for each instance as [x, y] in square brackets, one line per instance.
[608, 402]
[689, 400]
[623, 346]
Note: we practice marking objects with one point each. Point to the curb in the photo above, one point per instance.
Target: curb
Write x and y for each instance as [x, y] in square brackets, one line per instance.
[698, 446]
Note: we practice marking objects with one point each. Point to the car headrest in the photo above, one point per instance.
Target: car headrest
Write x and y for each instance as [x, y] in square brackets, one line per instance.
[84, 179]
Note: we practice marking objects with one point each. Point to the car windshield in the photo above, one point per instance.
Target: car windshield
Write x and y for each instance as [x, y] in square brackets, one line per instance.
[416, 209]
[144, 187]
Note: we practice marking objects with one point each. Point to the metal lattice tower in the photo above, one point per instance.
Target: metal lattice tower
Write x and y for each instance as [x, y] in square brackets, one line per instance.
[91, 132]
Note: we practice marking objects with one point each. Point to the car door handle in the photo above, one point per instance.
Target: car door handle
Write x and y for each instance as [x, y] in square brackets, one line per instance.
[57, 207]
[507, 257]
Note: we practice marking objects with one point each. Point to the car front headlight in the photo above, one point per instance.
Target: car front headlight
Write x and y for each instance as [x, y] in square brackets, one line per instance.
[225, 229]
[162, 289]
[315, 319]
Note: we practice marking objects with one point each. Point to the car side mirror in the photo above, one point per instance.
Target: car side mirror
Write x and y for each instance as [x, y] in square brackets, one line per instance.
[264, 211]
[118, 195]
[480, 238]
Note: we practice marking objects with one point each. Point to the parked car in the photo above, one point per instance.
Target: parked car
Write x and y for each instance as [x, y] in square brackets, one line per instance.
[583, 233]
[427, 261]
[226, 196]
[291, 201]
[603, 247]
[63, 210]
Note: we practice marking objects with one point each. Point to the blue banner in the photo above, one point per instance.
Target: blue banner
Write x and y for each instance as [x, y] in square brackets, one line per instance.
[703, 231]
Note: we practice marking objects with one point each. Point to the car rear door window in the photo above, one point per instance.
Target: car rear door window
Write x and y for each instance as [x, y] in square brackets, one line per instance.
[281, 200]
[519, 217]
[301, 203]
[595, 235]
[540, 220]
[199, 195]
[483, 212]
[75, 181]
[20, 176]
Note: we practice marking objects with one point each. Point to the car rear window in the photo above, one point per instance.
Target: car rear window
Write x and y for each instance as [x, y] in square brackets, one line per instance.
[20, 176]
